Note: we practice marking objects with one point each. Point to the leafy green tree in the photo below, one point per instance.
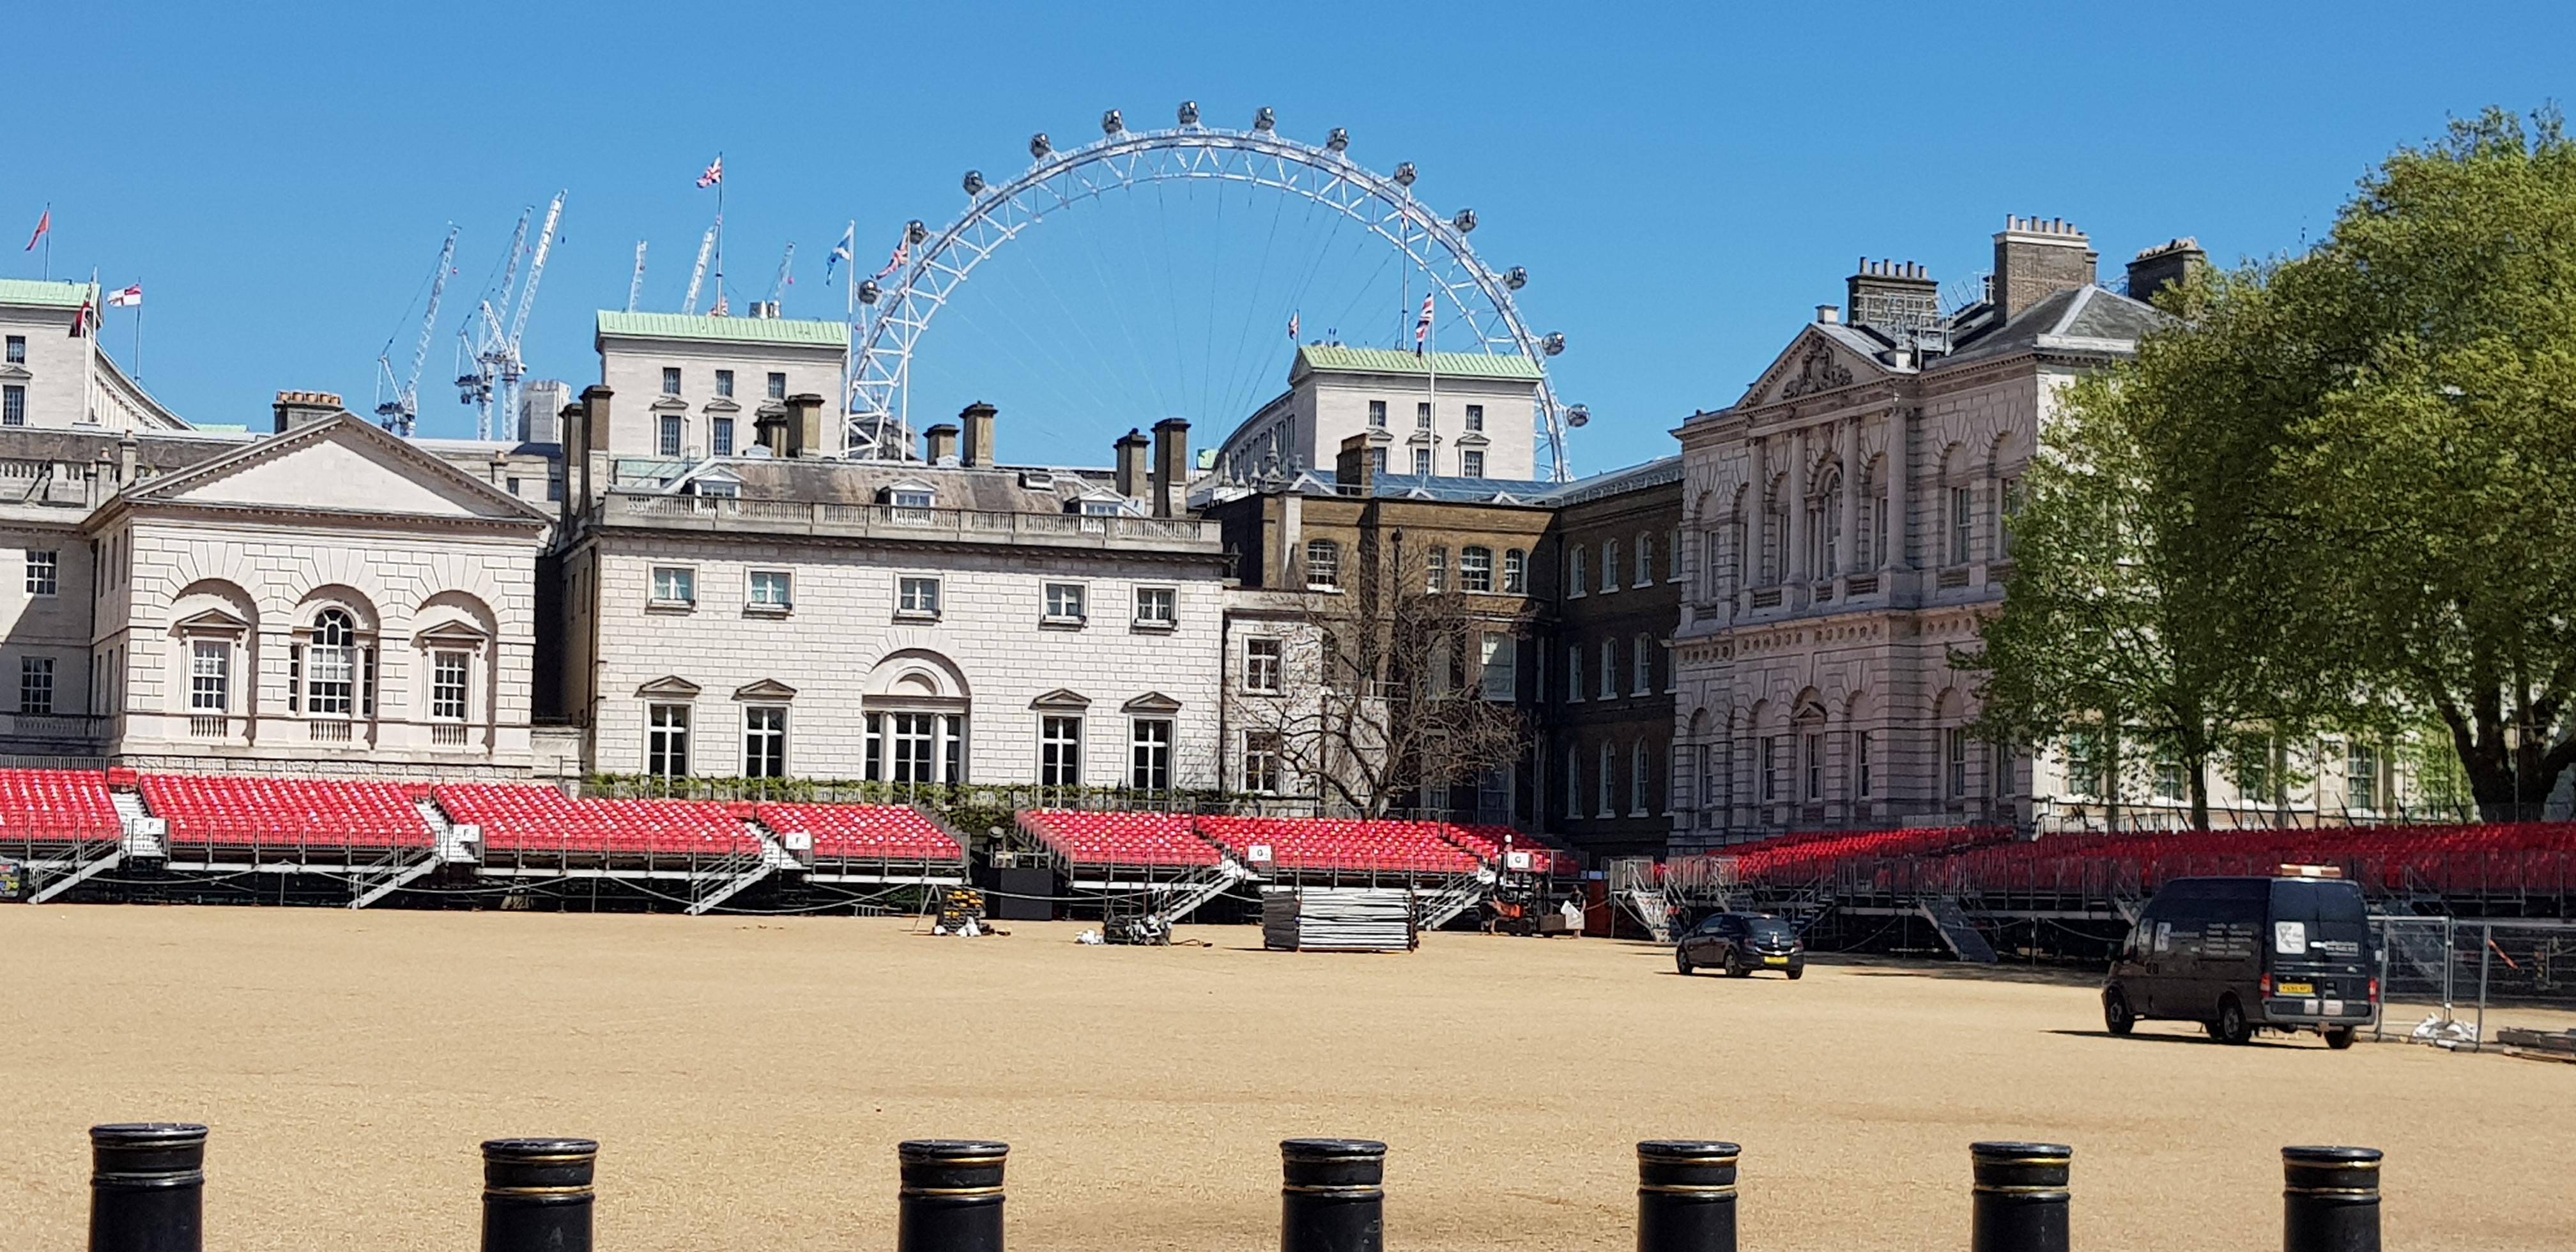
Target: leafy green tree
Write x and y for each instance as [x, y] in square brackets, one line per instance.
[2431, 489]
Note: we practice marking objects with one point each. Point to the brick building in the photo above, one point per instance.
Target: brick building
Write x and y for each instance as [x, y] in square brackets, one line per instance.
[1612, 580]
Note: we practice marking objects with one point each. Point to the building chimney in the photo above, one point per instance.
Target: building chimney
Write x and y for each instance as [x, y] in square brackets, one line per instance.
[805, 434]
[540, 405]
[1171, 463]
[1892, 295]
[1131, 448]
[2036, 258]
[126, 459]
[1827, 315]
[942, 439]
[2169, 265]
[1354, 466]
[978, 420]
[590, 430]
[297, 409]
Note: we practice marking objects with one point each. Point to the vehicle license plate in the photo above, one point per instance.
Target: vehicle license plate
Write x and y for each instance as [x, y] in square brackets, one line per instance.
[2298, 989]
[1775, 960]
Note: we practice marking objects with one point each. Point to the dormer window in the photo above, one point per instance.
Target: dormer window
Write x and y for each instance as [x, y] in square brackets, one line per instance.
[1101, 508]
[909, 503]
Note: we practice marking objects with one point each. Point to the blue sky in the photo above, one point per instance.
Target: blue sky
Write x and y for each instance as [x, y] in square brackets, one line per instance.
[1684, 183]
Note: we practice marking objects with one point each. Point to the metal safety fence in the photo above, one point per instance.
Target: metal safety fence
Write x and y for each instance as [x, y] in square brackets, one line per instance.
[2446, 973]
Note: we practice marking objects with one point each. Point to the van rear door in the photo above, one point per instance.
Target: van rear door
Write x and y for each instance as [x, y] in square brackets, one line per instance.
[2318, 947]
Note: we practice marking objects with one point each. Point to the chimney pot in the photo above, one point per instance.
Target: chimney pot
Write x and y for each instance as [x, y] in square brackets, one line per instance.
[978, 420]
[942, 444]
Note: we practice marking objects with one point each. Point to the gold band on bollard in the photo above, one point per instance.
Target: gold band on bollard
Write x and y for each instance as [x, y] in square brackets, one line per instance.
[1683, 1188]
[1320, 1188]
[581, 1189]
[949, 1192]
[2368, 1191]
[1990, 1188]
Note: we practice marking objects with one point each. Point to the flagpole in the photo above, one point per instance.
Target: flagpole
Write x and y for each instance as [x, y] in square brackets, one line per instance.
[720, 188]
[138, 334]
[49, 241]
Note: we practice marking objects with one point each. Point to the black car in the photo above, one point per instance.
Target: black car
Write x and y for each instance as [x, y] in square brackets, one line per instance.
[1741, 943]
[2239, 955]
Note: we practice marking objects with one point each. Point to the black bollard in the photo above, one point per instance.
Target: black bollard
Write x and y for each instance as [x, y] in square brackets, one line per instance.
[2330, 1200]
[536, 1194]
[1686, 1195]
[952, 1195]
[1331, 1197]
[2021, 1197]
[147, 1187]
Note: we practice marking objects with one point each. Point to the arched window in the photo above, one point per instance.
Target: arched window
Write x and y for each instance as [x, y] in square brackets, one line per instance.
[1476, 569]
[1574, 572]
[1516, 573]
[1609, 565]
[1323, 563]
[1645, 559]
[332, 672]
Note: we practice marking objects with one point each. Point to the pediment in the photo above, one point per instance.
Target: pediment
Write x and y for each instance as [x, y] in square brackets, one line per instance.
[722, 405]
[1061, 698]
[1812, 364]
[340, 465]
[210, 622]
[1152, 702]
[765, 689]
[669, 404]
[15, 373]
[670, 685]
[454, 633]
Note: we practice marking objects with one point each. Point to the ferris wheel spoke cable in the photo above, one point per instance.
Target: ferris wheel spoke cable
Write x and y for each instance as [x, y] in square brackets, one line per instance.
[1239, 404]
[1127, 332]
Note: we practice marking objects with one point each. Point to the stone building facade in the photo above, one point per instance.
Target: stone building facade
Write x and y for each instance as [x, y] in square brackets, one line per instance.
[1437, 415]
[1844, 532]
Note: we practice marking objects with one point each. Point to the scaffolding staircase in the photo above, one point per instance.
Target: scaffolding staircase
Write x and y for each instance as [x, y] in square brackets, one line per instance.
[1444, 906]
[87, 861]
[1634, 886]
[1952, 921]
[400, 869]
[735, 876]
[1188, 895]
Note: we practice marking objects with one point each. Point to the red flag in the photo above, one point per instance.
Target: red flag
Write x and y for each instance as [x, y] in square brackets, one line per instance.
[43, 224]
[81, 320]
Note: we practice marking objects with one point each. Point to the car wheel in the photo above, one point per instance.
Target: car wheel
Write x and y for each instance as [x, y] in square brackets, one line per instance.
[2231, 1027]
[1796, 972]
[2116, 1016]
[1736, 968]
[2338, 1037]
[1681, 962]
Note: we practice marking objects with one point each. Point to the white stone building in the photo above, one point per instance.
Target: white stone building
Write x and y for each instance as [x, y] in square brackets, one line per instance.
[1441, 414]
[53, 378]
[697, 386]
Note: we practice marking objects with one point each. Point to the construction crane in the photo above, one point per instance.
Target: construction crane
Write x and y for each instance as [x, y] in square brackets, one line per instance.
[635, 285]
[491, 380]
[399, 411]
[698, 275]
[778, 286]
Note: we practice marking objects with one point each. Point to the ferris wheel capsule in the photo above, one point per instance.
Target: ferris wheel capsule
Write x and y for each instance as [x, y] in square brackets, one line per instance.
[1577, 416]
[1516, 277]
[915, 232]
[1189, 113]
[1111, 123]
[869, 291]
[1465, 221]
[1264, 120]
[1339, 140]
[1553, 343]
[1404, 174]
[974, 182]
[1040, 146]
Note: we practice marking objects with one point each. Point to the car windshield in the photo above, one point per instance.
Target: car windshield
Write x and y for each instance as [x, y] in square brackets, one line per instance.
[1770, 928]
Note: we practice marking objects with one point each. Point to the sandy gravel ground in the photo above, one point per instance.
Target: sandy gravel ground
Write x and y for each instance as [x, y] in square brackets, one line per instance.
[749, 1080]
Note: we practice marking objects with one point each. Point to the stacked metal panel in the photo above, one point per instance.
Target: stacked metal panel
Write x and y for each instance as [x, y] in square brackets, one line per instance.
[1338, 919]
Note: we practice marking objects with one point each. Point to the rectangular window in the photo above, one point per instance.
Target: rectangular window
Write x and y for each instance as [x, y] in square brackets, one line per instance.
[1377, 461]
[1499, 663]
[1861, 763]
[1476, 569]
[1575, 575]
[1060, 751]
[666, 740]
[720, 437]
[674, 584]
[1574, 673]
[1323, 564]
[1645, 560]
[13, 405]
[35, 684]
[1471, 463]
[17, 349]
[1954, 757]
[916, 597]
[1609, 803]
[764, 742]
[724, 382]
[1377, 413]
[915, 740]
[1435, 570]
[1609, 565]
[447, 672]
[1150, 754]
[2008, 497]
[1963, 524]
[1261, 772]
[910, 506]
[670, 444]
[1574, 784]
[1422, 416]
[210, 674]
[1064, 602]
[1262, 666]
[333, 679]
[670, 380]
[1422, 462]
[1515, 573]
[44, 573]
[1158, 607]
[1609, 669]
[772, 589]
[1637, 788]
[2006, 776]
[1475, 417]
[777, 386]
[1771, 767]
[2360, 774]
[1815, 767]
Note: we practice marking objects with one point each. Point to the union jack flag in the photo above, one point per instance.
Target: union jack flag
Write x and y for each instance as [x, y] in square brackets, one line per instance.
[714, 174]
[1422, 324]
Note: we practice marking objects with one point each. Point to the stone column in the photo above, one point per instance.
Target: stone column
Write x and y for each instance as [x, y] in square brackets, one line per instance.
[1850, 505]
[1793, 555]
[1900, 470]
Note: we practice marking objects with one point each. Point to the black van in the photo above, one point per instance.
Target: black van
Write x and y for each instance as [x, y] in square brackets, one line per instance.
[2245, 954]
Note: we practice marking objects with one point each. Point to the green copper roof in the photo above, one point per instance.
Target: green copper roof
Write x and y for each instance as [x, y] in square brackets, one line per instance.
[1390, 361]
[27, 291]
[776, 330]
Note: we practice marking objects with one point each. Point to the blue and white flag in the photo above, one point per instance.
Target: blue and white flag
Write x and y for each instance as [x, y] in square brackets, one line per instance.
[841, 251]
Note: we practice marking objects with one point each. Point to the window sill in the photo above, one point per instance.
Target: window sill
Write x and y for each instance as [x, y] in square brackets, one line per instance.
[914, 615]
[1327, 588]
[1154, 627]
[1063, 623]
[670, 606]
[768, 610]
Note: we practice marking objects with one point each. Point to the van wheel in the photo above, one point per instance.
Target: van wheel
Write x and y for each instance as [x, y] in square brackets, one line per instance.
[2116, 1016]
[2231, 1026]
[2338, 1037]
[1681, 962]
